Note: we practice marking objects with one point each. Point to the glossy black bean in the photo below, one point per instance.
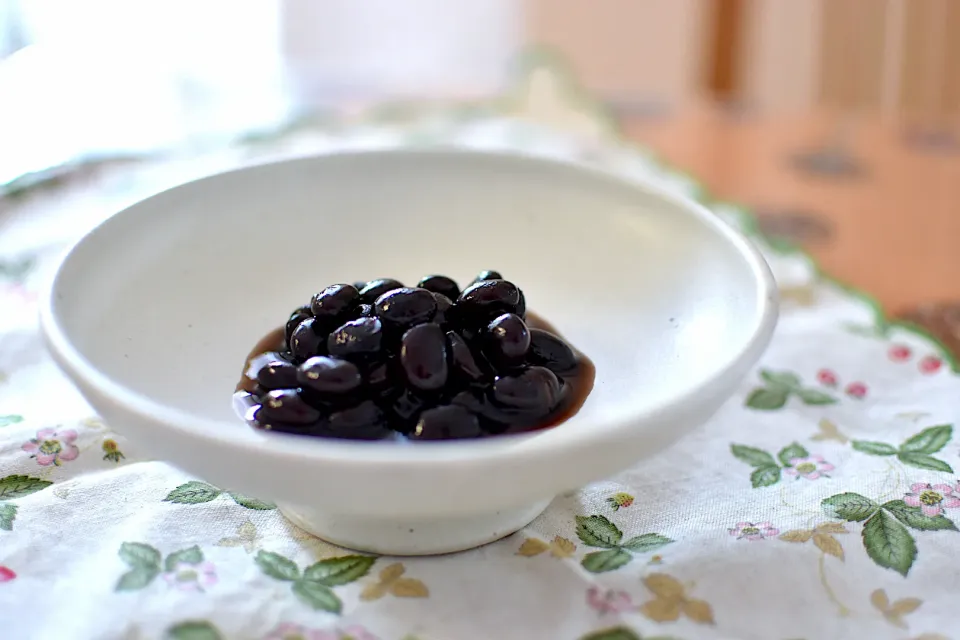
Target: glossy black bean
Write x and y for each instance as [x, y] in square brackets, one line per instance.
[329, 376]
[482, 302]
[547, 350]
[487, 275]
[462, 363]
[334, 303]
[308, 339]
[506, 341]
[376, 288]
[378, 379]
[532, 392]
[296, 318]
[286, 405]
[442, 285]
[423, 357]
[356, 340]
[405, 308]
[445, 423]
[277, 374]
[266, 423]
[365, 421]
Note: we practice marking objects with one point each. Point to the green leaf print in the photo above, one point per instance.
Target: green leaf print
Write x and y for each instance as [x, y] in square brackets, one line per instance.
[193, 630]
[646, 542]
[786, 379]
[8, 513]
[753, 457]
[915, 450]
[193, 492]
[790, 452]
[334, 572]
[768, 399]
[765, 476]
[613, 633]
[888, 543]
[252, 503]
[874, 448]
[19, 486]
[930, 440]
[597, 531]
[777, 389]
[607, 560]
[277, 566]
[193, 555]
[814, 397]
[137, 578]
[10, 418]
[923, 461]
[851, 507]
[913, 517]
[138, 554]
[317, 596]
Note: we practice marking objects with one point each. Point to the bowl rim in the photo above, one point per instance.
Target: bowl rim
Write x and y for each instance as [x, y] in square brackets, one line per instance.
[545, 443]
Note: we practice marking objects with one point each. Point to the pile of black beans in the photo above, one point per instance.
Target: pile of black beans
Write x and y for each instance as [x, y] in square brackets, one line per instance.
[374, 359]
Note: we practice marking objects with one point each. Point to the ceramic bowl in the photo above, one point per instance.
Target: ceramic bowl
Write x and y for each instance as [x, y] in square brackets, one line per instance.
[152, 313]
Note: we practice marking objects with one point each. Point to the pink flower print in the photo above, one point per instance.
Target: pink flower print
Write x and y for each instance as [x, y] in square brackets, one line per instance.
[752, 531]
[608, 601]
[291, 631]
[932, 499]
[810, 468]
[827, 378]
[929, 364]
[856, 390]
[899, 353]
[52, 446]
[192, 577]
[6, 574]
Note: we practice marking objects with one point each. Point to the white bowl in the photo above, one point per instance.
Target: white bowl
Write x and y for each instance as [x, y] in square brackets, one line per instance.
[152, 313]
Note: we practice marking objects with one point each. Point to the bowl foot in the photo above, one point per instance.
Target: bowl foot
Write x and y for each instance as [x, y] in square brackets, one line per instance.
[415, 536]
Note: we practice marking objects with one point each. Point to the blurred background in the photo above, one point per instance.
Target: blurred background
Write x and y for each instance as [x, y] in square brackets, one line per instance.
[836, 120]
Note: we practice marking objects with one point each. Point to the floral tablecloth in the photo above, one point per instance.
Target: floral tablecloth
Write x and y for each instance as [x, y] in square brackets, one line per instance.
[819, 503]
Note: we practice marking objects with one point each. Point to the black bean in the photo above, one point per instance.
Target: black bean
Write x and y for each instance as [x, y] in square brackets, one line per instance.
[444, 307]
[506, 341]
[404, 410]
[277, 374]
[443, 423]
[329, 376]
[481, 302]
[532, 392]
[423, 357]
[442, 285]
[286, 405]
[365, 421]
[547, 350]
[266, 423]
[487, 275]
[334, 302]
[296, 318]
[462, 363]
[405, 308]
[522, 306]
[376, 288]
[308, 339]
[356, 340]
[379, 380]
